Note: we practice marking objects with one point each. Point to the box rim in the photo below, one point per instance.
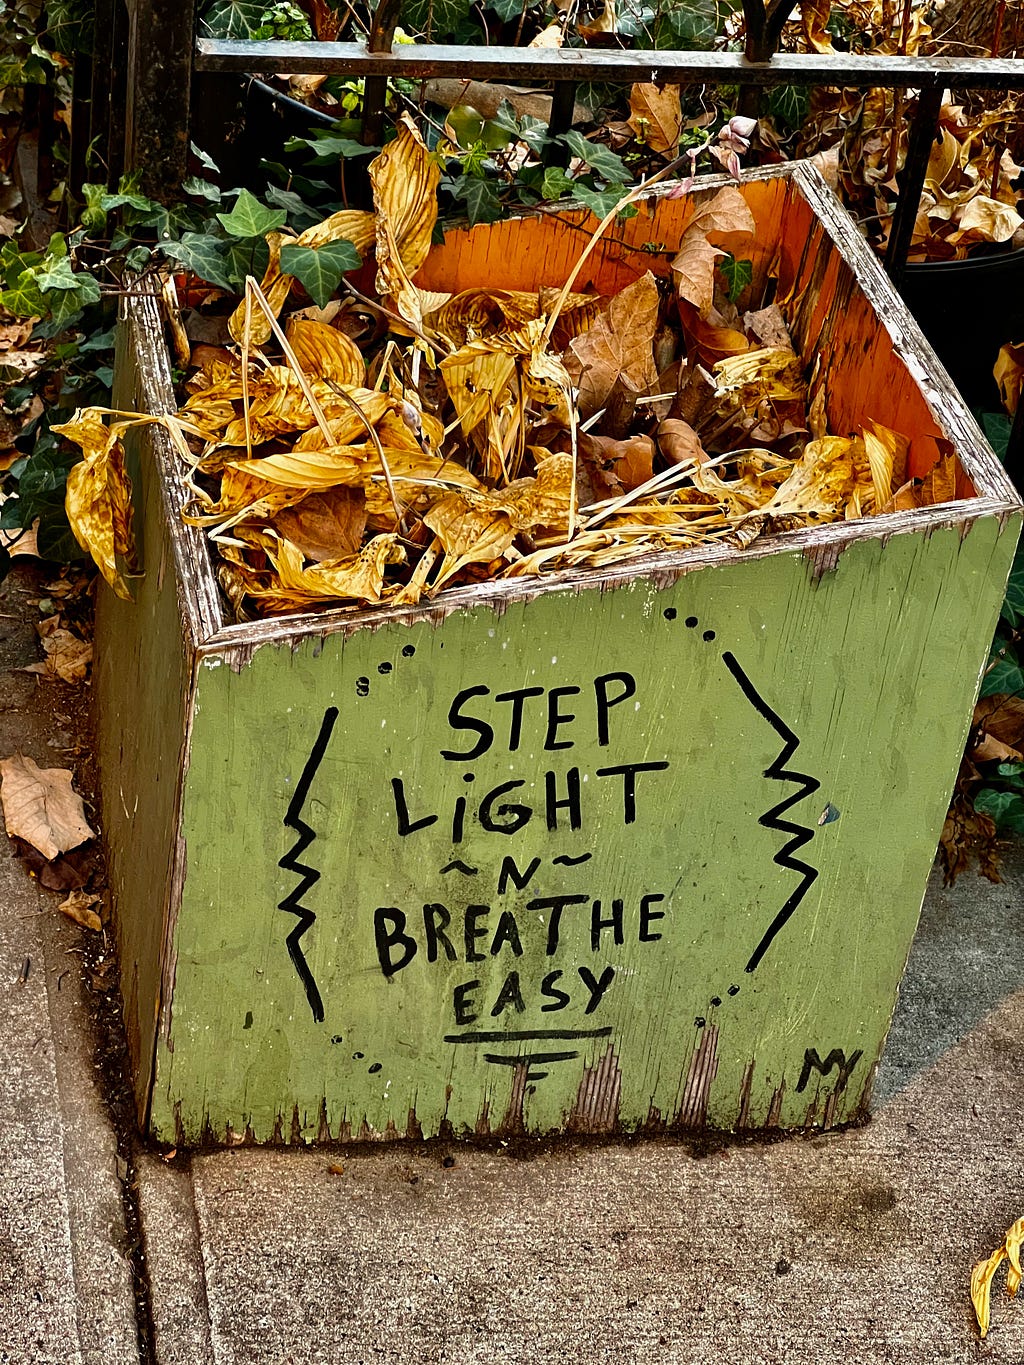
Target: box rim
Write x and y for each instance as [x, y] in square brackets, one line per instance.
[996, 496]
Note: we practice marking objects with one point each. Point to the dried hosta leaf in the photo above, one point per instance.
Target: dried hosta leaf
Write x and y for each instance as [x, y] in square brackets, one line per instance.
[618, 348]
[655, 116]
[276, 288]
[81, 907]
[326, 353]
[694, 263]
[41, 807]
[327, 525]
[242, 494]
[348, 225]
[359, 577]
[404, 176]
[1002, 715]
[819, 485]
[981, 1287]
[479, 527]
[320, 468]
[478, 377]
[98, 495]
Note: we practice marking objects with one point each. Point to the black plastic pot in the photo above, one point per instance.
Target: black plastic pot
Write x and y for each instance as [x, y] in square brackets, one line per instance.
[967, 310]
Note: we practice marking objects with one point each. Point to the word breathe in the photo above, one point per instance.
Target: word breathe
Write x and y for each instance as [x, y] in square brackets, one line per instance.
[397, 945]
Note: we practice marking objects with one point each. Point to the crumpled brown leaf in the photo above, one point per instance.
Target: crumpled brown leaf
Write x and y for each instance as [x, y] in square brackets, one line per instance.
[80, 906]
[41, 807]
[618, 348]
[325, 526]
[694, 264]
[655, 116]
[67, 656]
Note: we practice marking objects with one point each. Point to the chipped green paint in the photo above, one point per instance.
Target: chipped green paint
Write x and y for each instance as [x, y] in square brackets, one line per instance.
[839, 702]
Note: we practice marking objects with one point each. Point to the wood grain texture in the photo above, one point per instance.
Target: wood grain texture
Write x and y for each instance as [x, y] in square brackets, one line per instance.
[740, 905]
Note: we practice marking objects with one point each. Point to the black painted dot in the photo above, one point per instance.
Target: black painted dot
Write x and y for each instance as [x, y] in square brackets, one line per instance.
[337, 1038]
[691, 621]
[362, 687]
[408, 650]
[700, 1021]
[248, 1019]
[384, 668]
[669, 613]
[734, 990]
[377, 1066]
[469, 777]
[357, 1056]
[709, 635]
[716, 1000]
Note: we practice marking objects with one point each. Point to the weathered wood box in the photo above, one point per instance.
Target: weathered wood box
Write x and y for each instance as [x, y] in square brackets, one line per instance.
[637, 849]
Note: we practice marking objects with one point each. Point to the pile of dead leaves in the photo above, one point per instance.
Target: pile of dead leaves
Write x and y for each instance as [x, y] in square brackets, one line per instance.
[381, 450]
[996, 744]
[971, 200]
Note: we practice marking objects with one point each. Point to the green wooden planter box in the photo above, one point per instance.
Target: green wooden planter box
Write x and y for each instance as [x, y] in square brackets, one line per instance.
[634, 850]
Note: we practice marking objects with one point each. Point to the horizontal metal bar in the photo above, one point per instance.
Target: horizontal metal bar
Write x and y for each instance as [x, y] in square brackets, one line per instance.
[421, 61]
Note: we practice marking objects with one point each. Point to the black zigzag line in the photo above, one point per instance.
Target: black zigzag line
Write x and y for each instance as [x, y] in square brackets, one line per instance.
[292, 903]
[802, 834]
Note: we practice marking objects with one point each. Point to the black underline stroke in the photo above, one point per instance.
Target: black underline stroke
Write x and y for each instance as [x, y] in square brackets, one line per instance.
[802, 834]
[528, 1035]
[528, 1058]
[292, 903]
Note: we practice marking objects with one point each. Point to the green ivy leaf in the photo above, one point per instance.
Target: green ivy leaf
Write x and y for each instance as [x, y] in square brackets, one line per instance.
[242, 257]
[507, 10]
[1013, 605]
[1005, 808]
[207, 162]
[299, 213]
[688, 25]
[233, 19]
[319, 269]
[480, 198]
[434, 19]
[201, 189]
[23, 299]
[556, 184]
[789, 104]
[139, 202]
[56, 274]
[203, 254]
[600, 159]
[737, 275]
[250, 218]
[1004, 675]
[996, 426]
[328, 148]
[1010, 770]
[601, 202]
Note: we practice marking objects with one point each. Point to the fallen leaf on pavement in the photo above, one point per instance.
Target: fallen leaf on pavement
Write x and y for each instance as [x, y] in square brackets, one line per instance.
[79, 907]
[41, 807]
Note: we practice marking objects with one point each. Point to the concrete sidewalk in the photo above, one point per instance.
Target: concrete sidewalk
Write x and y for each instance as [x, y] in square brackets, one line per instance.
[854, 1247]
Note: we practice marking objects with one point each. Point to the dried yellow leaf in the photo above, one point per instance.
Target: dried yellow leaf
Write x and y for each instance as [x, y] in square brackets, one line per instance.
[325, 353]
[98, 495]
[358, 576]
[276, 288]
[981, 1287]
[404, 177]
[349, 225]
